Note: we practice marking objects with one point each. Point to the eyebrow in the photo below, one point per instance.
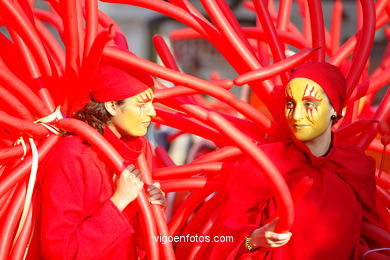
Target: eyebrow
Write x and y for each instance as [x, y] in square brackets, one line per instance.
[288, 98]
[311, 99]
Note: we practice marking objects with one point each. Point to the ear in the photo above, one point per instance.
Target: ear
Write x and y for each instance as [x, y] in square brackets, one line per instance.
[111, 107]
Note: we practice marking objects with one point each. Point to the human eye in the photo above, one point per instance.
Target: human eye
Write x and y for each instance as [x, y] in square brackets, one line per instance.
[310, 105]
[141, 106]
[290, 104]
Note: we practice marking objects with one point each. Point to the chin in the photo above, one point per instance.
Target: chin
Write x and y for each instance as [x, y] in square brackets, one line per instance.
[303, 137]
[139, 134]
[134, 134]
[307, 137]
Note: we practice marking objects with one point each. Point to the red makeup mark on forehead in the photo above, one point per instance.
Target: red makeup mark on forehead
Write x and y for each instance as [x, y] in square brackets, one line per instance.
[310, 94]
[145, 97]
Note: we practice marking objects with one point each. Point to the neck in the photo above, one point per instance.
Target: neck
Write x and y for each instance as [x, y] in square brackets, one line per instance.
[114, 130]
[320, 145]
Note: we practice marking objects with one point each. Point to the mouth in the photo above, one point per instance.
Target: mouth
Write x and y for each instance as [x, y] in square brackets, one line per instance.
[299, 126]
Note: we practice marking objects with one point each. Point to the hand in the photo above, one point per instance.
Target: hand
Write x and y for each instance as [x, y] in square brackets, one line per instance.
[128, 187]
[156, 195]
[266, 237]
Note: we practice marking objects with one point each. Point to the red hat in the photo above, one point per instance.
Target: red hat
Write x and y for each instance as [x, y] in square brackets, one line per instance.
[329, 77]
[112, 83]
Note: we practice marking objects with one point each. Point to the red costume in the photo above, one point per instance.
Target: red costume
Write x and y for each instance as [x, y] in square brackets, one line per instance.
[79, 221]
[327, 219]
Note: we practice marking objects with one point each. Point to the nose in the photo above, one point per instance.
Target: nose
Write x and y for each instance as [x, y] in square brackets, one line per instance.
[150, 111]
[299, 112]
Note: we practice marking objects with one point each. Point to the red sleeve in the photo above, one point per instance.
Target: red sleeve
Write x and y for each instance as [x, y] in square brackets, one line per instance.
[79, 221]
[246, 193]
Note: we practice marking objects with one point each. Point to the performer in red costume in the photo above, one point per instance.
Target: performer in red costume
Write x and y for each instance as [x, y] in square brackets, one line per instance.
[329, 217]
[87, 211]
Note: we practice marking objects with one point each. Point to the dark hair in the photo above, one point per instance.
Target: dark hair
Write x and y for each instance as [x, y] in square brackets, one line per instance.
[95, 114]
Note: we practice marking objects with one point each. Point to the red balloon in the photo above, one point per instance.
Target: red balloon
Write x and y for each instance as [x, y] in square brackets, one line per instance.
[164, 52]
[23, 126]
[15, 175]
[19, 248]
[274, 69]
[16, 20]
[192, 184]
[127, 59]
[363, 49]
[163, 156]
[200, 223]
[13, 152]
[376, 233]
[317, 29]
[189, 125]
[383, 128]
[55, 49]
[11, 105]
[180, 217]
[22, 92]
[279, 186]
[91, 24]
[229, 153]
[275, 45]
[11, 220]
[385, 140]
[160, 222]
[188, 170]
[335, 29]
[284, 14]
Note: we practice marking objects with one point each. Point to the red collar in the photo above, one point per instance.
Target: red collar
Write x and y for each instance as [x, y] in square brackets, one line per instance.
[129, 148]
[314, 159]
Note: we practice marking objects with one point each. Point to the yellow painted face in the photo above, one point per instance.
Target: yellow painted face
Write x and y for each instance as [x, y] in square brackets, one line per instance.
[134, 116]
[307, 109]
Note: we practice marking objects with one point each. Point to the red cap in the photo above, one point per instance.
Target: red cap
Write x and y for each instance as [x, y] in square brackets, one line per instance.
[113, 83]
[329, 77]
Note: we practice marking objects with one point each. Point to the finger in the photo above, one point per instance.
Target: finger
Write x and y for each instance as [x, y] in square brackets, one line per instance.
[125, 173]
[277, 245]
[137, 174]
[277, 236]
[271, 226]
[154, 186]
[155, 193]
[278, 242]
[130, 167]
[158, 202]
[154, 189]
[114, 178]
[156, 196]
